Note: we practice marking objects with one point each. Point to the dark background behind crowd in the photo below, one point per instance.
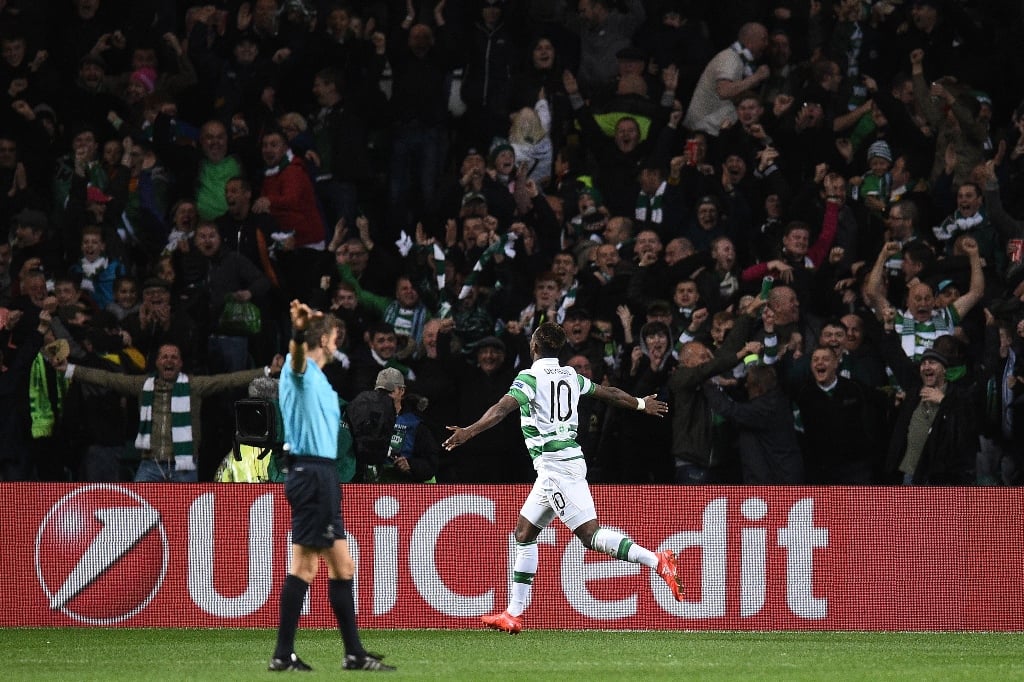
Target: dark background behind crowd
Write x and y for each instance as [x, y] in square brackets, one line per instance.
[444, 177]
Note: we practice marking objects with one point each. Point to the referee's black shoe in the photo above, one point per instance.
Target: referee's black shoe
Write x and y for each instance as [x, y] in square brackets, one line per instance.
[292, 662]
[367, 661]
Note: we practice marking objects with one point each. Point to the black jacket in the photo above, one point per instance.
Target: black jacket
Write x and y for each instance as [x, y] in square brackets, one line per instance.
[952, 445]
[769, 451]
[841, 432]
[692, 432]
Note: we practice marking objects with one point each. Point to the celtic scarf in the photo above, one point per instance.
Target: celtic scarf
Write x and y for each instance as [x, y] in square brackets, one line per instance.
[285, 162]
[957, 223]
[568, 298]
[406, 321]
[181, 419]
[505, 243]
[648, 208]
[917, 337]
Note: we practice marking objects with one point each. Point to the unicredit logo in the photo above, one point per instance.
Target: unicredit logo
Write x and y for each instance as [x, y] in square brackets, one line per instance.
[101, 554]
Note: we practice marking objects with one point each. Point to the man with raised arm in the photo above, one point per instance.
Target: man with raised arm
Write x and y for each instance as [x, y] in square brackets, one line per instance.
[312, 417]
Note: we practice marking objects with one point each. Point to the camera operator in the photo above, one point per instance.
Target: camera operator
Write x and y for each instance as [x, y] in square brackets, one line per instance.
[414, 451]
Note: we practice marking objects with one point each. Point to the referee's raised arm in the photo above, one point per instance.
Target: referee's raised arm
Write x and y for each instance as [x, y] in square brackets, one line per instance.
[301, 315]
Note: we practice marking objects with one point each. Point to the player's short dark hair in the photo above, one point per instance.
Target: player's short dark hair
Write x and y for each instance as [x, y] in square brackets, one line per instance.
[549, 339]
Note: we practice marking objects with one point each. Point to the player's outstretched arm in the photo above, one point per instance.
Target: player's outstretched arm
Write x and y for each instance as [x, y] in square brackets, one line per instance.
[619, 398]
[494, 414]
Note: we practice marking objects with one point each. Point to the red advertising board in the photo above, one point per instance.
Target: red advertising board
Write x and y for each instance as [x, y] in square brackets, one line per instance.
[752, 558]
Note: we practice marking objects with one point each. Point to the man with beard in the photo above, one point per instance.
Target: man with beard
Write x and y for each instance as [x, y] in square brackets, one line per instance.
[725, 272]
[935, 437]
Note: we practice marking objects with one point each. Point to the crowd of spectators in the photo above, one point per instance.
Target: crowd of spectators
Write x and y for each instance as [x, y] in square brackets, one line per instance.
[798, 222]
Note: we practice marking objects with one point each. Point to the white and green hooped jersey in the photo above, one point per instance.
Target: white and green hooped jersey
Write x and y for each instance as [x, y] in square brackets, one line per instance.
[548, 396]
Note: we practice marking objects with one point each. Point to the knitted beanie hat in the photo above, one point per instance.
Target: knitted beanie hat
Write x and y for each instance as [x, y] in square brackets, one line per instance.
[880, 149]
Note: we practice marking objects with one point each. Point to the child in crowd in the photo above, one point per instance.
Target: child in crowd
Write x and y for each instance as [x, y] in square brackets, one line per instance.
[126, 298]
[97, 270]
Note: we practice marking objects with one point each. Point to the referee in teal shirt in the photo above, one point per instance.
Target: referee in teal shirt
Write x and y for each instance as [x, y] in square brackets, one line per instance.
[312, 417]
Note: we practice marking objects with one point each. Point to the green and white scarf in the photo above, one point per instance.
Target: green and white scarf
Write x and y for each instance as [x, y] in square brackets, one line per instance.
[917, 337]
[181, 420]
[648, 208]
[568, 299]
[406, 321]
[271, 171]
[957, 223]
[504, 243]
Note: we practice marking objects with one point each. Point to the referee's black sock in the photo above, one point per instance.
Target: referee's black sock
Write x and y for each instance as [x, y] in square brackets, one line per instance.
[344, 605]
[292, 593]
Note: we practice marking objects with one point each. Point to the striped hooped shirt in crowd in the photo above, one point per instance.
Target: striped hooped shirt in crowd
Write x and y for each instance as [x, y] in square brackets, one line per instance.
[548, 396]
[917, 337]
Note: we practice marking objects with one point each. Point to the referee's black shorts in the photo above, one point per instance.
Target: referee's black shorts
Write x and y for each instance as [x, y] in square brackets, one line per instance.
[313, 493]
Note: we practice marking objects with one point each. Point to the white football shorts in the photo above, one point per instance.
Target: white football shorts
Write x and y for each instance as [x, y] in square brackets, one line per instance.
[560, 489]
